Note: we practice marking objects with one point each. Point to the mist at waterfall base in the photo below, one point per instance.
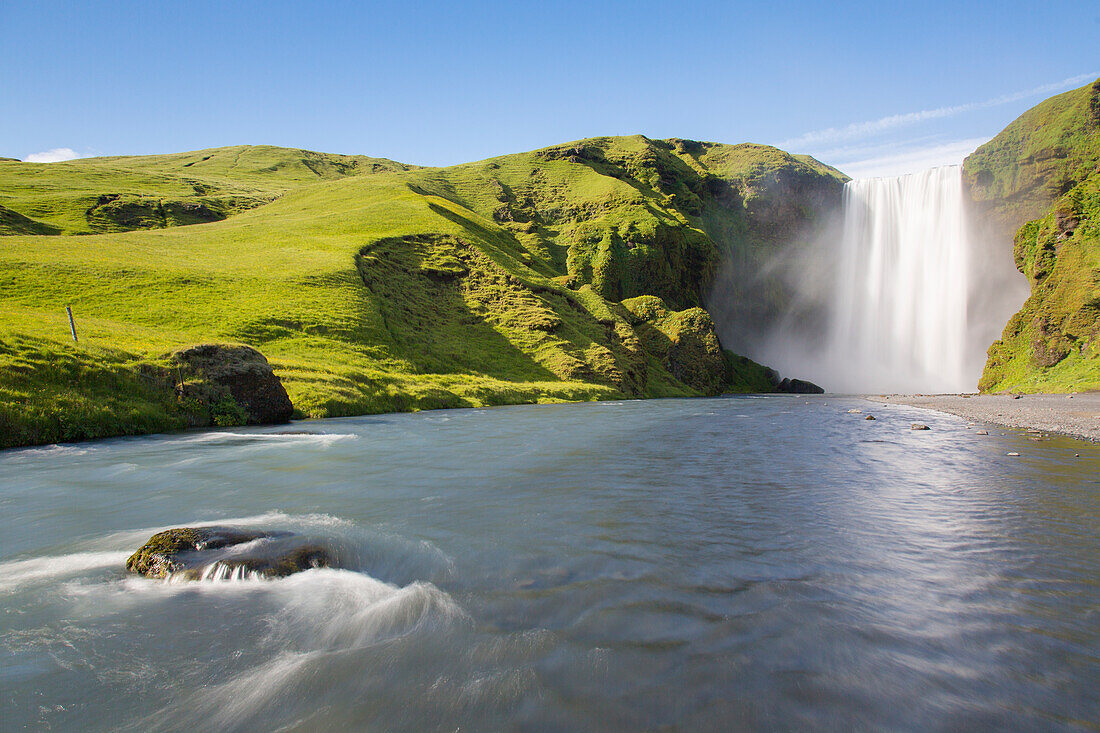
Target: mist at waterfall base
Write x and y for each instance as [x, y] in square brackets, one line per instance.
[904, 292]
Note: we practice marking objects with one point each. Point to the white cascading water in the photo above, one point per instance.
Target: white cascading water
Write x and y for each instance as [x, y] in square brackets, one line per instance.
[899, 306]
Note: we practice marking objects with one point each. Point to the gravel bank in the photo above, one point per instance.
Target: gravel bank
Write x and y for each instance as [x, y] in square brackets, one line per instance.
[1077, 415]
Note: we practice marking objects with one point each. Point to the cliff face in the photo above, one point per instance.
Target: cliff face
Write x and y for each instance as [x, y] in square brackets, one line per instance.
[1041, 178]
[374, 286]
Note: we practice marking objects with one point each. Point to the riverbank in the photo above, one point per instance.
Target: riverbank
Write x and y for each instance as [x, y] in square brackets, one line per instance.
[1077, 415]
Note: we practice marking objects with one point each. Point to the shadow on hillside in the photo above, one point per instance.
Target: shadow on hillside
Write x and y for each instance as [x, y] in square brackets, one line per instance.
[418, 290]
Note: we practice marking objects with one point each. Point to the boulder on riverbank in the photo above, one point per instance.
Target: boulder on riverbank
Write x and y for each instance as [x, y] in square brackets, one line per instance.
[197, 552]
[798, 386]
[792, 386]
[236, 381]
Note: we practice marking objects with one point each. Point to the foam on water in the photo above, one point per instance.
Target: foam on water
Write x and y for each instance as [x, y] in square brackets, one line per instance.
[16, 573]
[55, 450]
[358, 548]
[295, 625]
[299, 627]
[277, 438]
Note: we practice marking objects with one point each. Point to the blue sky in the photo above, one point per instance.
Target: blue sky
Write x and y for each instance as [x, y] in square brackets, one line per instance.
[876, 89]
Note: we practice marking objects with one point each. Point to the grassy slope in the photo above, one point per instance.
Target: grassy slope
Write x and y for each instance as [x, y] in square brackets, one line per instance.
[1045, 167]
[1040, 156]
[371, 286]
[1053, 343]
[97, 195]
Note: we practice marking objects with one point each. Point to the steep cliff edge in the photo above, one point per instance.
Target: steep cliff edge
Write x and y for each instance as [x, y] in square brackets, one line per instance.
[1041, 178]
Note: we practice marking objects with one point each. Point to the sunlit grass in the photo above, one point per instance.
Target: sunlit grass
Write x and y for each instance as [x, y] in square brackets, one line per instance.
[338, 269]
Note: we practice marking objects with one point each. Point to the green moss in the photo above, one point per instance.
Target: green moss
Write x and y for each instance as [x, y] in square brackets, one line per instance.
[1052, 344]
[56, 392]
[748, 377]
[226, 413]
[687, 345]
[154, 556]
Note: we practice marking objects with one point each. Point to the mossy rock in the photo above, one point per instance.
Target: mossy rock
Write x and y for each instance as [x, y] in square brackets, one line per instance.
[685, 342]
[190, 552]
[236, 382]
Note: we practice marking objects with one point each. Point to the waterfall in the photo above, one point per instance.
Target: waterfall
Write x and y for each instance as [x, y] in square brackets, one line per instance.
[898, 308]
[900, 290]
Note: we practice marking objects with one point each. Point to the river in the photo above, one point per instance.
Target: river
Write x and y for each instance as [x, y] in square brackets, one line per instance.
[768, 562]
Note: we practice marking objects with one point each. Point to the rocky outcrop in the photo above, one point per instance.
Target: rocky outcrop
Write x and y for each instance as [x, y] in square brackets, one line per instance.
[798, 386]
[236, 382]
[1038, 158]
[195, 553]
[792, 386]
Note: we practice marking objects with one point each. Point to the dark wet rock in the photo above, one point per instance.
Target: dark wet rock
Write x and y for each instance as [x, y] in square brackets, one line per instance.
[798, 386]
[214, 372]
[869, 417]
[189, 552]
[919, 426]
[792, 386]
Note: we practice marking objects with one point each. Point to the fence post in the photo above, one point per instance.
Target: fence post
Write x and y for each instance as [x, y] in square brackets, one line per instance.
[72, 323]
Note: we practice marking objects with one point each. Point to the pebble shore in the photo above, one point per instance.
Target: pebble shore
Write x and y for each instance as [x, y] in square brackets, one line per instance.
[1077, 415]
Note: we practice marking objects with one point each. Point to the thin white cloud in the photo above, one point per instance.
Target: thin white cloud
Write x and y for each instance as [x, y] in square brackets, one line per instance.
[53, 155]
[858, 130]
[874, 149]
[912, 160]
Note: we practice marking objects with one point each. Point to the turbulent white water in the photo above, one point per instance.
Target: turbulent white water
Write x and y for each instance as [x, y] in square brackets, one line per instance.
[899, 306]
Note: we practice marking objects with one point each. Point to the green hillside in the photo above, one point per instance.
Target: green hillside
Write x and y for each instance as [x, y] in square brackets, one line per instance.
[1040, 156]
[373, 286]
[1042, 174]
[101, 195]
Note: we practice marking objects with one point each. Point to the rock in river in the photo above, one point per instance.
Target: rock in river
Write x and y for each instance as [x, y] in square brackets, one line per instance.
[197, 553]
